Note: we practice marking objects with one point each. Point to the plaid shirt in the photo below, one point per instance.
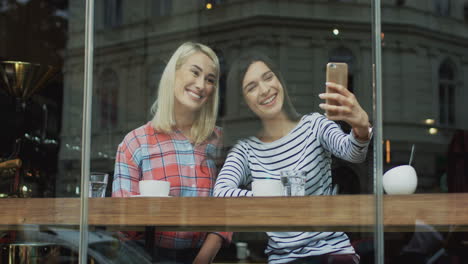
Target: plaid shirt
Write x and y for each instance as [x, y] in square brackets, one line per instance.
[146, 154]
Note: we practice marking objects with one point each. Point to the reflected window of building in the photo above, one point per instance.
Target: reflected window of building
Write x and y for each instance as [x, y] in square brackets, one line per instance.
[161, 8]
[400, 2]
[112, 13]
[442, 7]
[343, 1]
[343, 54]
[465, 11]
[107, 99]
[3, 5]
[447, 87]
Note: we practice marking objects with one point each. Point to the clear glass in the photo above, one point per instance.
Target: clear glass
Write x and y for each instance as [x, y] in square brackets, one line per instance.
[41, 78]
[133, 43]
[424, 95]
[98, 184]
[293, 182]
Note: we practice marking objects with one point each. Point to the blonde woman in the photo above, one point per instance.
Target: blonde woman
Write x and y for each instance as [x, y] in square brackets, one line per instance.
[178, 145]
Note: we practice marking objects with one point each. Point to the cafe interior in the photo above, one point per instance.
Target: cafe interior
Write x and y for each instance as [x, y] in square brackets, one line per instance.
[77, 76]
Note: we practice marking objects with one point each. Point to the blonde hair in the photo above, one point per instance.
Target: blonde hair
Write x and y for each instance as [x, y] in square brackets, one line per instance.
[163, 108]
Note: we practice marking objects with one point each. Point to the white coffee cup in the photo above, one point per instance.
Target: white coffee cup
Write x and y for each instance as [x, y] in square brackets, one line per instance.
[154, 188]
[400, 180]
[267, 187]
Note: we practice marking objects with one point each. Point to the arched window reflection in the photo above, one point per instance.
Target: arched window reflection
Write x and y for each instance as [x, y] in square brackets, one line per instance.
[465, 11]
[342, 54]
[112, 13]
[447, 93]
[162, 8]
[442, 7]
[107, 99]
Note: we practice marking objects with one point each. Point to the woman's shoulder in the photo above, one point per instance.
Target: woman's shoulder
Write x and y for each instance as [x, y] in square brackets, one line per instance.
[218, 131]
[314, 121]
[140, 133]
[243, 145]
[313, 116]
[216, 136]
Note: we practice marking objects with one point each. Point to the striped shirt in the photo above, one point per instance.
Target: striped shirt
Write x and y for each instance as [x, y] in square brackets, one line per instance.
[308, 147]
[146, 154]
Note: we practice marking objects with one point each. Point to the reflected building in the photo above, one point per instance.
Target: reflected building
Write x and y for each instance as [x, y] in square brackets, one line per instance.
[424, 57]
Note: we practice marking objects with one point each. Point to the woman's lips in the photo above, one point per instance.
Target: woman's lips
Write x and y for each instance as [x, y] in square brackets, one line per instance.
[194, 95]
[270, 100]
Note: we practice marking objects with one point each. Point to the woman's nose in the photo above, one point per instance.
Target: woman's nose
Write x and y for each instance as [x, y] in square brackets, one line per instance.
[200, 82]
[264, 88]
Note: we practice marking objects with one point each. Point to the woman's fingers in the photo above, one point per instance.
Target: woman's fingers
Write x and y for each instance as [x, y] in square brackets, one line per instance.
[340, 99]
[348, 108]
[336, 110]
[343, 113]
[337, 88]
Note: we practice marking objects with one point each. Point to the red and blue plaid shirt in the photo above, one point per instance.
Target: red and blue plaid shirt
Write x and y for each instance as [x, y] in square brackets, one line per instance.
[146, 154]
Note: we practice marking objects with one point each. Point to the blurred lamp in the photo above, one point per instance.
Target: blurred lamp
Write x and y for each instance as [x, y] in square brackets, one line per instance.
[429, 121]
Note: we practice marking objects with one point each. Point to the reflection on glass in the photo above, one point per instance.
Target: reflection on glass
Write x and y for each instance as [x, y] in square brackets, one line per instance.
[134, 42]
[424, 105]
[35, 117]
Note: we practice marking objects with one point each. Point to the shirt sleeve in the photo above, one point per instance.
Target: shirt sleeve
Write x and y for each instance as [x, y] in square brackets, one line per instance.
[226, 236]
[342, 145]
[126, 176]
[234, 173]
[127, 172]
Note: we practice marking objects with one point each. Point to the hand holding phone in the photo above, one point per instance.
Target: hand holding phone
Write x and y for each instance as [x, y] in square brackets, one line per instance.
[340, 103]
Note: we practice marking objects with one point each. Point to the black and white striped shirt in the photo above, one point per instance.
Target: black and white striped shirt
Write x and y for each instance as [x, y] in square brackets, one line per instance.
[308, 147]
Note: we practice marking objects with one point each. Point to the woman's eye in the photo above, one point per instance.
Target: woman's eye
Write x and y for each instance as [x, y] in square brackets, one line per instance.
[195, 73]
[210, 81]
[269, 77]
[250, 88]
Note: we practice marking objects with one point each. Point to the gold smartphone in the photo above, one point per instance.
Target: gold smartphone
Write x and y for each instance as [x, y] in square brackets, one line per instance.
[337, 72]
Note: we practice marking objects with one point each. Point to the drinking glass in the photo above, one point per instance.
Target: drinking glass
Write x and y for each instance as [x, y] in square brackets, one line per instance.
[293, 182]
[97, 184]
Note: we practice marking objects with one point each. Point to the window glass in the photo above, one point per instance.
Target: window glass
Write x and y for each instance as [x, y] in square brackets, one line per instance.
[41, 98]
[424, 125]
[145, 67]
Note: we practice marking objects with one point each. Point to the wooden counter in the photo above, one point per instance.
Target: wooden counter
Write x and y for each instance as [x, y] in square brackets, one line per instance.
[342, 212]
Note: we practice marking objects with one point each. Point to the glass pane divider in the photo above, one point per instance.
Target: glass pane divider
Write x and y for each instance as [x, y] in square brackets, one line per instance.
[86, 130]
[378, 146]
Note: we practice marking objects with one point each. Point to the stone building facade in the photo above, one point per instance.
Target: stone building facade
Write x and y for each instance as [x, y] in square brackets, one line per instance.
[424, 55]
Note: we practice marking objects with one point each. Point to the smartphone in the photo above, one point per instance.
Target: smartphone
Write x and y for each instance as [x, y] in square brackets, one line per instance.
[337, 72]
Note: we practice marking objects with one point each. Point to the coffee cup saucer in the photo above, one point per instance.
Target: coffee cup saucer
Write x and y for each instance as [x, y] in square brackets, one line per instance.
[141, 195]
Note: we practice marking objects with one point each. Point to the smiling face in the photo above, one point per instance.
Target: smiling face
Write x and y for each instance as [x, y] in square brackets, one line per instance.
[263, 91]
[195, 81]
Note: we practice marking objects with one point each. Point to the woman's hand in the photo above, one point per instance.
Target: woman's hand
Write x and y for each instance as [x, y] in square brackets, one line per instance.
[348, 110]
